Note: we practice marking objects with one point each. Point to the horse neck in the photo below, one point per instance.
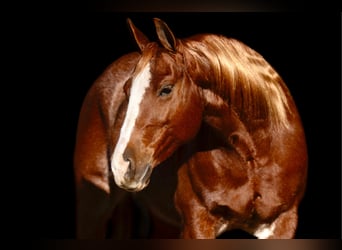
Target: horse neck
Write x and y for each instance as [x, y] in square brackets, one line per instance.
[220, 114]
[223, 119]
[252, 88]
[201, 73]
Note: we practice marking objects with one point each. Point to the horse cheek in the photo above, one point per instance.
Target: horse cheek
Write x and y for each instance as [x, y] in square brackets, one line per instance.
[190, 122]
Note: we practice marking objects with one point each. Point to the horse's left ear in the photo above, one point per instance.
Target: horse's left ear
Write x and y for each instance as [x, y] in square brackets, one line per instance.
[165, 35]
[139, 37]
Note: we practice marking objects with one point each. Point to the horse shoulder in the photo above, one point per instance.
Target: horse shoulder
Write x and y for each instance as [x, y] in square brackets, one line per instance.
[279, 174]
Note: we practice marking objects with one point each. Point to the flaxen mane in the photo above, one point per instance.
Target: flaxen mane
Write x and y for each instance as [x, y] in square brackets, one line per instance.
[241, 76]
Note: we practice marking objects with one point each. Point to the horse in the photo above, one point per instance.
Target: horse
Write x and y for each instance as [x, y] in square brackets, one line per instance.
[202, 132]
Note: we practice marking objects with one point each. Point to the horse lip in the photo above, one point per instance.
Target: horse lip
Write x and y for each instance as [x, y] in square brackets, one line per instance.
[141, 183]
[131, 189]
[146, 175]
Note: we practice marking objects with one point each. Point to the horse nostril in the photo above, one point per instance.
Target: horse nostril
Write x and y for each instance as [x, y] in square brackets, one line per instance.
[126, 159]
[129, 172]
[127, 155]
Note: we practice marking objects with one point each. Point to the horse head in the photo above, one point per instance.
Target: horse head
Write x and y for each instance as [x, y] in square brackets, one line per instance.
[164, 109]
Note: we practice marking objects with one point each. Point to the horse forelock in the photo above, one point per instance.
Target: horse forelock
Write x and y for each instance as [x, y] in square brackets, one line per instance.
[239, 75]
[145, 58]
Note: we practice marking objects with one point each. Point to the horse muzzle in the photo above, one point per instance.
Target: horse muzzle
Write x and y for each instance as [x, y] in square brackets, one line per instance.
[136, 179]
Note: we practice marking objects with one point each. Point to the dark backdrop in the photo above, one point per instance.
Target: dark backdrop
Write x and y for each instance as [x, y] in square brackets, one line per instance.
[71, 50]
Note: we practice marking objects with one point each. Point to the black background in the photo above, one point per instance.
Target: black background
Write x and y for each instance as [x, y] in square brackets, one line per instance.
[66, 55]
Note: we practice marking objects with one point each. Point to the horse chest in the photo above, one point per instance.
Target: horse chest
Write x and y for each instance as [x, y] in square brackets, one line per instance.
[223, 184]
[239, 194]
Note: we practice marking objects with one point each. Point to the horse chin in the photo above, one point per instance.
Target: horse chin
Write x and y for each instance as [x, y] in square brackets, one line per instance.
[136, 187]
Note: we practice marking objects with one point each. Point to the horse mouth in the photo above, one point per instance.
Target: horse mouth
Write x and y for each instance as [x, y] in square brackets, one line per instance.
[145, 177]
[138, 184]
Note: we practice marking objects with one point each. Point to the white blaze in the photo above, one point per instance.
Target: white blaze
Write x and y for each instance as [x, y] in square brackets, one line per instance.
[138, 88]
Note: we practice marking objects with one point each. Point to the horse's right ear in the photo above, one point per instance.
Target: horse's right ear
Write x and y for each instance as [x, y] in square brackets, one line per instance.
[165, 35]
[139, 37]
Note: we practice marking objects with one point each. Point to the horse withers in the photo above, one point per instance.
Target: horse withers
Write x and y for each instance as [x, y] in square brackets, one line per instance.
[204, 119]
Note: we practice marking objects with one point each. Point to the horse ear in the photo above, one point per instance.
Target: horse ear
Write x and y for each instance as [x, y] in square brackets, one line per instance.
[165, 35]
[139, 37]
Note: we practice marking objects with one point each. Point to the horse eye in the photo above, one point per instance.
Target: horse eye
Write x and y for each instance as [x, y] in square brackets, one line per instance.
[166, 90]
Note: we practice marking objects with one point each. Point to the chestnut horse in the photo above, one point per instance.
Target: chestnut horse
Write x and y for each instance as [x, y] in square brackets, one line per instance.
[215, 124]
